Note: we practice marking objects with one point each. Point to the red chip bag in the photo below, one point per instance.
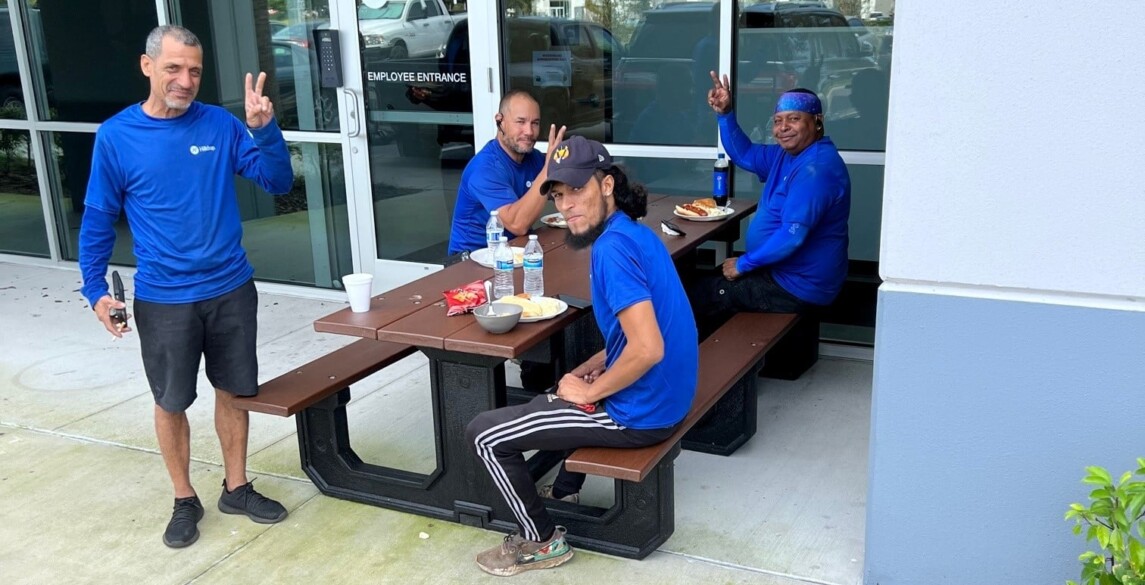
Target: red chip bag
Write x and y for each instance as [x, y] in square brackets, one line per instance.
[464, 299]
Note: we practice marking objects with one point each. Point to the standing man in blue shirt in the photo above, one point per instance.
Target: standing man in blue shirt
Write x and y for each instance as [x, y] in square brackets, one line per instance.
[169, 164]
[796, 253]
[505, 175]
[634, 393]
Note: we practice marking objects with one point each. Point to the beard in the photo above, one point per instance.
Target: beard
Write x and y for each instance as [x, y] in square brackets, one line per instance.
[582, 241]
[586, 239]
[176, 105]
[519, 149]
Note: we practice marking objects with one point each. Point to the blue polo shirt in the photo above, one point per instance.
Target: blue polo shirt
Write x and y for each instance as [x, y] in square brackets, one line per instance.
[812, 189]
[491, 180]
[629, 265]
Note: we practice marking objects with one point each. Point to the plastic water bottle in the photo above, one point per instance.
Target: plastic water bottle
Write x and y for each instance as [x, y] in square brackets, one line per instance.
[494, 232]
[503, 270]
[720, 181]
[534, 268]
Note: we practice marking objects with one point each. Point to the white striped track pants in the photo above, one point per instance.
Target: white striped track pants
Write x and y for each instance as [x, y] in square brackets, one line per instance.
[547, 423]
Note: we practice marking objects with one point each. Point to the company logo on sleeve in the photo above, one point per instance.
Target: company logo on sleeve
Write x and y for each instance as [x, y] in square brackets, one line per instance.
[204, 148]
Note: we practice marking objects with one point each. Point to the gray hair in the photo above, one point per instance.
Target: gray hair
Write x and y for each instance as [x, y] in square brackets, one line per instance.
[155, 38]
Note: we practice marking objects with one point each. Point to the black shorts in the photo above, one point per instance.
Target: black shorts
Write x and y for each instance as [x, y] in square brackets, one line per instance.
[173, 337]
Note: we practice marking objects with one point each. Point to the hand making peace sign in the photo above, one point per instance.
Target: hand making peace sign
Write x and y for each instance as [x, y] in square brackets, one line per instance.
[259, 110]
[720, 96]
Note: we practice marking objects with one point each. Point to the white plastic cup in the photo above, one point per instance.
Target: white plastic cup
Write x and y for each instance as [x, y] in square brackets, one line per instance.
[359, 288]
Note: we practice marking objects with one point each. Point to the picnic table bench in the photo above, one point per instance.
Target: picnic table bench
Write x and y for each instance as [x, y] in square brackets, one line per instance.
[304, 386]
[722, 418]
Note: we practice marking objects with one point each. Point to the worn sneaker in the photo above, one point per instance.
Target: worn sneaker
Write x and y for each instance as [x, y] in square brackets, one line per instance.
[183, 528]
[515, 554]
[547, 492]
[245, 500]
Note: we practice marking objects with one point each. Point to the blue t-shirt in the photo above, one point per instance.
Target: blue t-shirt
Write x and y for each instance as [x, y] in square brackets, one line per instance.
[491, 180]
[629, 265]
[174, 178]
[812, 189]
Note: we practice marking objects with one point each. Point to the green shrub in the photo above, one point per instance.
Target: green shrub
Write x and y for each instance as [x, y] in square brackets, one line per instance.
[1114, 518]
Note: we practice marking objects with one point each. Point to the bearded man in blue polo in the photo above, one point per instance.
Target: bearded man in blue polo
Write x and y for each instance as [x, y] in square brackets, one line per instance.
[634, 393]
[796, 253]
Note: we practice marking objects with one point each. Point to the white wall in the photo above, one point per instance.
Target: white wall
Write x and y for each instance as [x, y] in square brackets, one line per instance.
[1016, 146]
[1014, 255]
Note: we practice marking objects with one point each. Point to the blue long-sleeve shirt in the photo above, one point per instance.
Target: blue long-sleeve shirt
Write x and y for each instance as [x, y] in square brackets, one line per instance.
[800, 228]
[174, 178]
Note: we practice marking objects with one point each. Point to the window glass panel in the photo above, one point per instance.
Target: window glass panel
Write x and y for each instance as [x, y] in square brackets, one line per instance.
[69, 164]
[301, 237]
[415, 172]
[22, 230]
[11, 92]
[86, 56]
[292, 86]
[237, 41]
[669, 176]
[426, 72]
[622, 72]
[783, 46]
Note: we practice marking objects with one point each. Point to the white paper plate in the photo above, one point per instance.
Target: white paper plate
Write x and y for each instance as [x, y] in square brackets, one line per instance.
[484, 258]
[727, 212]
[555, 220]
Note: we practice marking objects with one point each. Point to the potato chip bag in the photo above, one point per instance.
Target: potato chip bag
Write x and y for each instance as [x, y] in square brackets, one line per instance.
[464, 299]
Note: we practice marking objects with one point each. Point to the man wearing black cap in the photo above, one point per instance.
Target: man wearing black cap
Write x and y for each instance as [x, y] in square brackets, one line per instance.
[632, 394]
[796, 258]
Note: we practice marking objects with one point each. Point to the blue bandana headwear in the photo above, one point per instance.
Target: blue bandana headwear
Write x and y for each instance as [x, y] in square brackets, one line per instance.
[797, 101]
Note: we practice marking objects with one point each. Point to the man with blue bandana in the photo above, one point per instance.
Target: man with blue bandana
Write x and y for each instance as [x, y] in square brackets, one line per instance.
[796, 253]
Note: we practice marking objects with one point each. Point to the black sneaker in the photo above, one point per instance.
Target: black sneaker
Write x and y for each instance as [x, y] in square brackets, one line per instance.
[257, 507]
[182, 530]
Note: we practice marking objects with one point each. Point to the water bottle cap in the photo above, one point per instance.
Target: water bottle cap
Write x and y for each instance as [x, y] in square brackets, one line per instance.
[532, 236]
[495, 212]
[721, 155]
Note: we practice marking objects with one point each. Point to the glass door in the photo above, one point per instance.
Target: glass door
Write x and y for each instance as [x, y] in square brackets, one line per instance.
[409, 119]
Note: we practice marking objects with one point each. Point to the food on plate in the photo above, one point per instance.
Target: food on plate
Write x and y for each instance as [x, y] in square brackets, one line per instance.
[700, 208]
[691, 210]
[518, 257]
[533, 306]
[554, 220]
[464, 299]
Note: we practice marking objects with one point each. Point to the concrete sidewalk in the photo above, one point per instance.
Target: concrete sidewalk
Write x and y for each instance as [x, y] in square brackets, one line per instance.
[84, 495]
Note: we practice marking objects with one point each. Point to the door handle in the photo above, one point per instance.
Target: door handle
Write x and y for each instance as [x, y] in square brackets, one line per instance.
[352, 112]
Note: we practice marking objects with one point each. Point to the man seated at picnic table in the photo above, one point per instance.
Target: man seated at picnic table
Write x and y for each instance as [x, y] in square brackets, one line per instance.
[634, 393]
[796, 257]
[505, 175]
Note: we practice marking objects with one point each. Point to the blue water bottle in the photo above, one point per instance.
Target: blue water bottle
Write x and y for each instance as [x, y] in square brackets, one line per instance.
[720, 181]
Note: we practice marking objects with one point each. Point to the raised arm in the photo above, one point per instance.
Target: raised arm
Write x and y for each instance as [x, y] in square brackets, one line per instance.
[755, 158]
[520, 215]
[262, 156]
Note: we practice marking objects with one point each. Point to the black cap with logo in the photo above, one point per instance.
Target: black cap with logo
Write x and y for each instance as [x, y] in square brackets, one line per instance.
[574, 161]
